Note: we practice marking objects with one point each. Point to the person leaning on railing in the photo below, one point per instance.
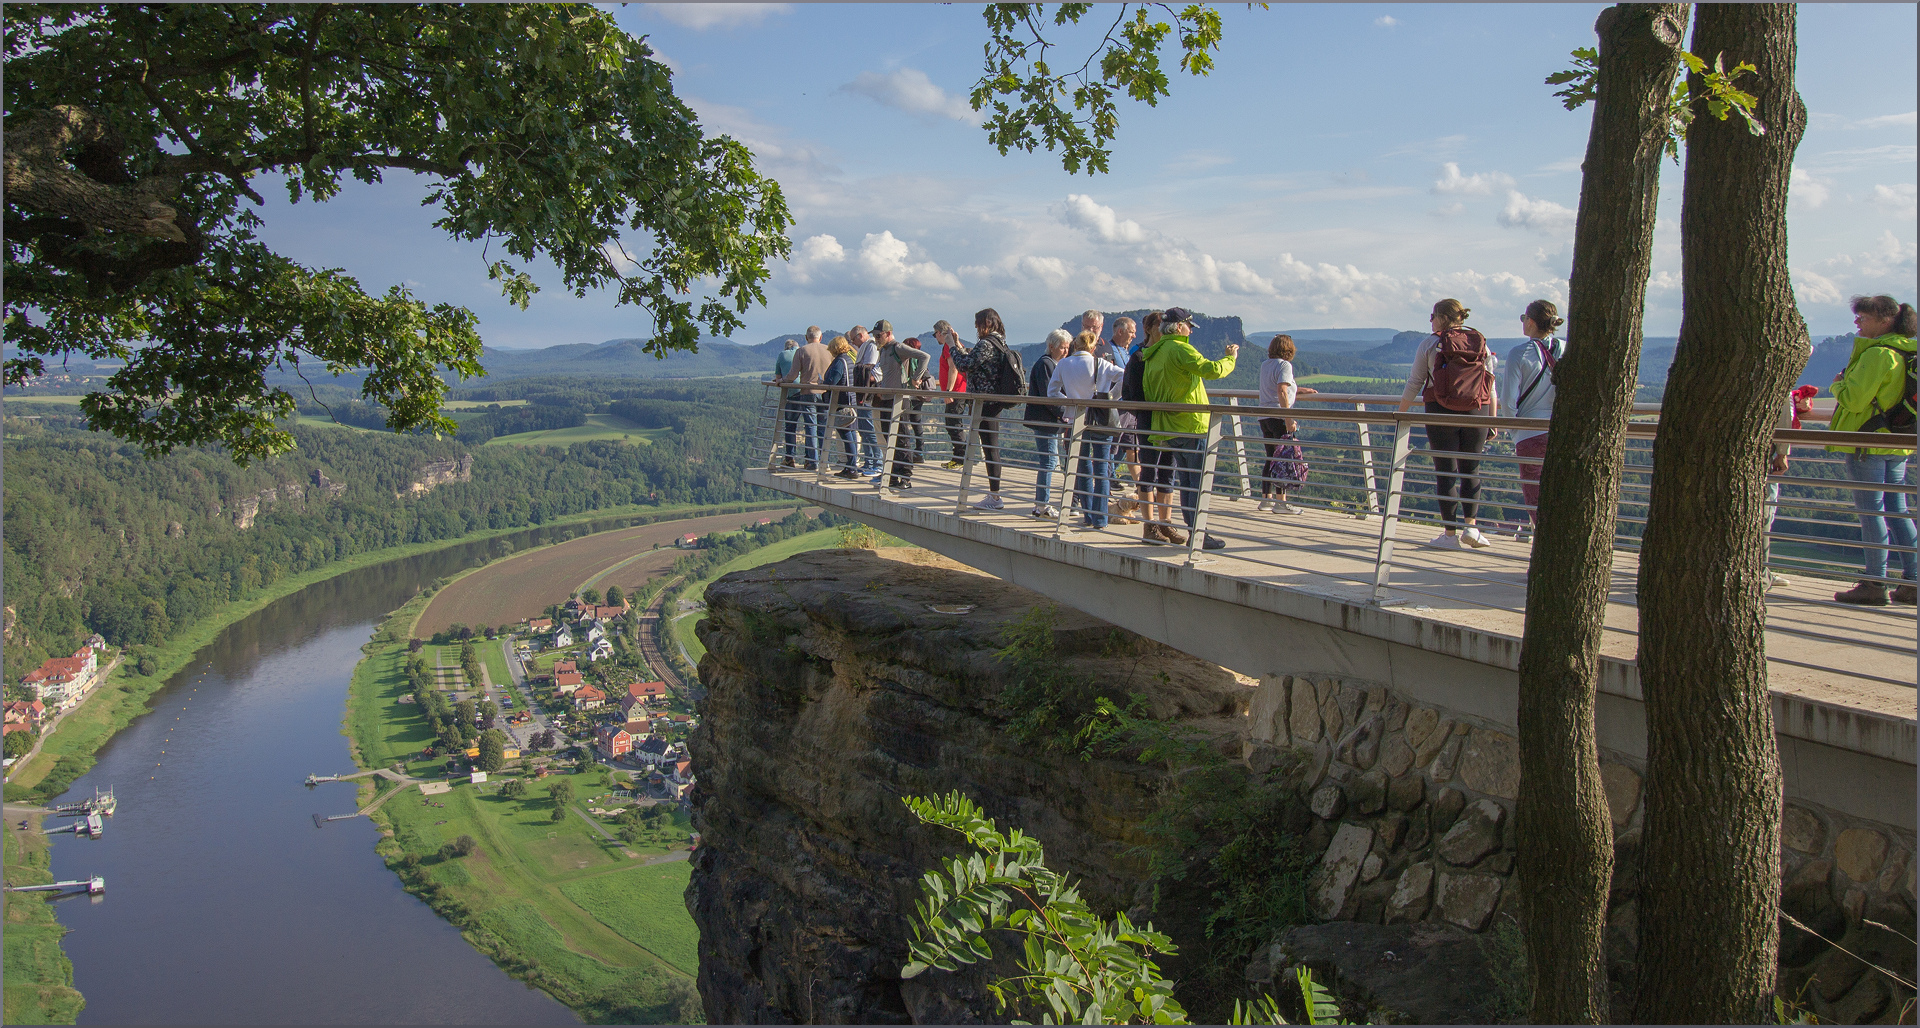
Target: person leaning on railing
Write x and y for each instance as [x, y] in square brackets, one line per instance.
[1453, 372]
[1176, 373]
[1528, 379]
[952, 381]
[1046, 422]
[1873, 395]
[804, 407]
[1084, 376]
[840, 373]
[901, 366]
[1286, 466]
[993, 369]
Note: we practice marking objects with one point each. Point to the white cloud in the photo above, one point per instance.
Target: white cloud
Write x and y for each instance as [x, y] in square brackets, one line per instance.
[1569, 164]
[1539, 215]
[1476, 184]
[1802, 186]
[909, 90]
[883, 264]
[1386, 21]
[700, 17]
[1886, 121]
[1863, 157]
[1432, 149]
[1888, 267]
[1897, 200]
[1098, 220]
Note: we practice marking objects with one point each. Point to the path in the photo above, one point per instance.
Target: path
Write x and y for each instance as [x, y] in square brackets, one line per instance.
[47, 731]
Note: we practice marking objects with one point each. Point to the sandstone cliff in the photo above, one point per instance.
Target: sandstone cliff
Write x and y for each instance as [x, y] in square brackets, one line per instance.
[440, 472]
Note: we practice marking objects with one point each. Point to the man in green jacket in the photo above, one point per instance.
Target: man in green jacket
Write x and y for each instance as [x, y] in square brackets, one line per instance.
[1872, 386]
[1176, 373]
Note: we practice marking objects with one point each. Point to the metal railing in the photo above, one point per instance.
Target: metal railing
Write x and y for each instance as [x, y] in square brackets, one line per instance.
[1358, 459]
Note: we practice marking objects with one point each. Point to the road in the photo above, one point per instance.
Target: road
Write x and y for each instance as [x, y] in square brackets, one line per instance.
[521, 733]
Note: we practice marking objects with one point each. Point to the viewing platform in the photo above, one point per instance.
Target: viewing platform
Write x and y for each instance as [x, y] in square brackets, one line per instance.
[1347, 587]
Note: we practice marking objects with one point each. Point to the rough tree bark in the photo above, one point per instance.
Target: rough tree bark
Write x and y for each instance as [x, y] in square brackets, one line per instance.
[1565, 834]
[1709, 927]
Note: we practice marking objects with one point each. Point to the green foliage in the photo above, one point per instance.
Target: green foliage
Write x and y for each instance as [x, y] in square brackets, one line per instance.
[1314, 998]
[19, 743]
[135, 132]
[1506, 953]
[514, 789]
[1025, 90]
[1716, 91]
[1047, 702]
[559, 814]
[561, 792]
[493, 744]
[1079, 967]
[460, 847]
[615, 596]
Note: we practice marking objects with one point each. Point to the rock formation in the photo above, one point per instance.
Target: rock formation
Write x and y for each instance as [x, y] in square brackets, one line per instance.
[440, 472]
[834, 688]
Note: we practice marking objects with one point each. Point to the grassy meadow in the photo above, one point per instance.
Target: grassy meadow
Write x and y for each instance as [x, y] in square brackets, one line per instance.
[598, 427]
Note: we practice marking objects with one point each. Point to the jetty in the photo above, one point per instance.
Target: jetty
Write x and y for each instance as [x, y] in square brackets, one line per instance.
[95, 886]
[401, 782]
[98, 803]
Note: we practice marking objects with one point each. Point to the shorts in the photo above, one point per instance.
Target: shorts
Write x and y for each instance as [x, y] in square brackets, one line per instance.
[1157, 467]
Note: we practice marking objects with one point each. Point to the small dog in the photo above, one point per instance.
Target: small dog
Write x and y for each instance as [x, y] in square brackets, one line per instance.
[1123, 506]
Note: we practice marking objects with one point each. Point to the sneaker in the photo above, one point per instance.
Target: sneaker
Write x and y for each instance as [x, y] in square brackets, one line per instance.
[846, 473]
[1473, 538]
[811, 466]
[1263, 504]
[1210, 543]
[1523, 534]
[1283, 507]
[1045, 511]
[953, 465]
[1865, 594]
[788, 463]
[1445, 541]
[1775, 579]
[876, 477]
[991, 501]
[1904, 594]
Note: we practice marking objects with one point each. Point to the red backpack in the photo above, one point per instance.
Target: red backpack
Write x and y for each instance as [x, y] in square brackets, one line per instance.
[1461, 379]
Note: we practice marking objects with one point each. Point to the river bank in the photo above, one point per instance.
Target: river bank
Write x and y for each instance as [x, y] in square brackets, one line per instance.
[35, 965]
[597, 924]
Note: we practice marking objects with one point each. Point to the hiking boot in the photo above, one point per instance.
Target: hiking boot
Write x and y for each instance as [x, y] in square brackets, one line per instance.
[1904, 594]
[846, 473]
[1151, 535]
[788, 463]
[1866, 594]
[1172, 535]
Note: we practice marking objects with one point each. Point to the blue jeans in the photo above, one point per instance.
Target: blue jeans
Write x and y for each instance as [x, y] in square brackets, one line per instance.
[1046, 450]
[803, 420]
[1879, 510]
[869, 442]
[1186, 457]
[1092, 485]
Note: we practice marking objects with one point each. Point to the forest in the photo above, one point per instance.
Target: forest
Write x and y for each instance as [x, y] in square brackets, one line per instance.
[101, 539]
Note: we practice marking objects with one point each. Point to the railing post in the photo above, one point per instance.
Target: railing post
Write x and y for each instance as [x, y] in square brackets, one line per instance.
[1066, 466]
[827, 434]
[974, 409]
[1203, 502]
[1240, 448]
[1390, 517]
[779, 428]
[1367, 476]
[889, 454]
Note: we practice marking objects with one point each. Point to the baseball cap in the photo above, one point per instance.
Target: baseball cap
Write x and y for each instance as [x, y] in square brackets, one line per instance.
[1174, 315]
[883, 325]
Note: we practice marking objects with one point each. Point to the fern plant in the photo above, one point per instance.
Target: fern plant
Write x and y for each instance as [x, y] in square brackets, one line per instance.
[1078, 968]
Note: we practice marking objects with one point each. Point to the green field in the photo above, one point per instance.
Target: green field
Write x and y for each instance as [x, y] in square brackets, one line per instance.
[322, 421]
[495, 661]
[652, 909]
[39, 977]
[480, 404]
[13, 397]
[823, 539]
[510, 897]
[598, 427]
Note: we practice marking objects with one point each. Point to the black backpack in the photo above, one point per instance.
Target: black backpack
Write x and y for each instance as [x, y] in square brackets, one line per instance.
[1011, 379]
[1901, 417]
[1133, 388]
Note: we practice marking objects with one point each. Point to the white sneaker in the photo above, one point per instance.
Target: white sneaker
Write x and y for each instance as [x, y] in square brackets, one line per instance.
[991, 501]
[1775, 579]
[1473, 538]
[1523, 535]
[1283, 507]
[1049, 512]
[1264, 505]
[1445, 541]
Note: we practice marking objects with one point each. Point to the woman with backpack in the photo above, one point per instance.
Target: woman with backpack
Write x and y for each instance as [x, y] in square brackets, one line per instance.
[990, 368]
[1453, 373]
[1875, 394]
[1528, 377]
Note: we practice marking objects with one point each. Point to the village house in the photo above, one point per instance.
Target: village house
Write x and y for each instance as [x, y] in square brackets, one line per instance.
[639, 728]
[562, 639]
[601, 650]
[567, 682]
[61, 682]
[682, 771]
[540, 625]
[688, 542]
[29, 713]
[609, 613]
[648, 692]
[595, 632]
[632, 706]
[589, 697]
[655, 751]
[613, 741]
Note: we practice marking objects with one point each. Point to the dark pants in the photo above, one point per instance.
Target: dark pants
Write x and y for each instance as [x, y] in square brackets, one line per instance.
[915, 422]
[1186, 460]
[1530, 473]
[957, 411]
[1270, 428]
[902, 466]
[990, 442]
[1454, 476]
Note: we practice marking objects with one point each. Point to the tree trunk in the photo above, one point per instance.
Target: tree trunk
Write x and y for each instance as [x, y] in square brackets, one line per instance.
[1710, 880]
[1565, 834]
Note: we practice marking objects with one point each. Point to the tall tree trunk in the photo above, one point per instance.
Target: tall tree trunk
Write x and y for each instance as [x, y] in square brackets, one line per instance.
[1710, 883]
[1565, 834]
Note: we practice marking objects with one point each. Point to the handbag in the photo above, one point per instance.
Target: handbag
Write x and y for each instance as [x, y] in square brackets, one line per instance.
[1288, 465]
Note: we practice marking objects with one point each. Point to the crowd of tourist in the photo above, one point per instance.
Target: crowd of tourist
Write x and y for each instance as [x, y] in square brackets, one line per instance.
[1455, 376]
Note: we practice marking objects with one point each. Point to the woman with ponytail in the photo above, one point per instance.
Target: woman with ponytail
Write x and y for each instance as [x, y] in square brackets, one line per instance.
[1528, 378]
[1874, 394]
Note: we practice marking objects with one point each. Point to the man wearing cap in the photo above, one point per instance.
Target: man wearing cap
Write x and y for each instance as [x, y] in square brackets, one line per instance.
[900, 367]
[866, 372]
[804, 409]
[1176, 373]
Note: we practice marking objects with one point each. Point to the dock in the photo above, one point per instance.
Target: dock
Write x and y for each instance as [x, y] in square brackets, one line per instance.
[98, 803]
[95, 886]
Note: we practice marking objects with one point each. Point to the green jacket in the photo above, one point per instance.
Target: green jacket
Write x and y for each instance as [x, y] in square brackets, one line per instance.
[1176, 373]
[1875, 373]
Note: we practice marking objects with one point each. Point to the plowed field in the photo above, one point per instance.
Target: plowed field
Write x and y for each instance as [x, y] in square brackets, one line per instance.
[520, 587]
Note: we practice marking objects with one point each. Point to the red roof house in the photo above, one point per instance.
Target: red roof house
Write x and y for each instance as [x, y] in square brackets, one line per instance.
[588, 697]
[648, 690]
[613, 741]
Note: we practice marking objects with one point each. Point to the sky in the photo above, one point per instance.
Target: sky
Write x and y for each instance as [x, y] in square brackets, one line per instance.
[1344, 166]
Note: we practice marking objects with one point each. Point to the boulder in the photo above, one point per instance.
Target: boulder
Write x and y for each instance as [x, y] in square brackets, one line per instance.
[1467, 900]
[1406, 792]
[1328, 802]
[1366, 743]
[1859, 853]
[1267, 710]
[1395, 755]
[1369, 792]
[1426, 732]
[1490, 763]
[1391, 830]
[1622, 787]
[1303, 718]
[1371, 867]
[1447, 805]
[1330, 719]
[1447, 760]
[1332, 883]
[1420, 973]
[1801, 830]
[1474, 835]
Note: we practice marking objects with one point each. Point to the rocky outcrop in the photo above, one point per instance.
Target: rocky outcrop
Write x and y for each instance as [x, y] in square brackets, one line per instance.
[833, 690]
[324, 486]
[438, 473]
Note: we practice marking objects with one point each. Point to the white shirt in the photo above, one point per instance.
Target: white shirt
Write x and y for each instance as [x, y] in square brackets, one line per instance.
[868, 353]
[1274, 374]
[1525, 368]
[1078, 376]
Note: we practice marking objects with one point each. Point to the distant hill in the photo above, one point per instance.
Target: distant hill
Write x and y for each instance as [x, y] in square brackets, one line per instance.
[1210, 334]
[625, 358]
[1829, 358]
[1327, 340]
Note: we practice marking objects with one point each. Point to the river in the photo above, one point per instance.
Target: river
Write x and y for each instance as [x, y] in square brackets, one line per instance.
[224, 903]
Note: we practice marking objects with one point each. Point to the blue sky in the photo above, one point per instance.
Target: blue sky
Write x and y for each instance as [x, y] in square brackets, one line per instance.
[1343, 166]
